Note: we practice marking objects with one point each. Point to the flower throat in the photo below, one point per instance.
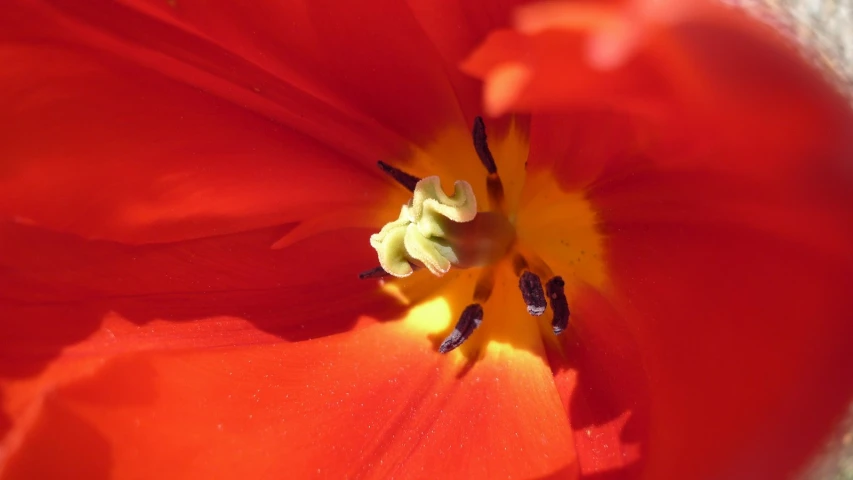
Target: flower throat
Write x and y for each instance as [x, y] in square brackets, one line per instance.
[437, 232]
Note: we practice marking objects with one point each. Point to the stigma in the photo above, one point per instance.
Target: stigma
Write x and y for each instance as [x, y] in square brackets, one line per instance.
[438, 231]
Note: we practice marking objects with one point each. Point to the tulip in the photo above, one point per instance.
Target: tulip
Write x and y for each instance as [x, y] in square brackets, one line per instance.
[605, 240]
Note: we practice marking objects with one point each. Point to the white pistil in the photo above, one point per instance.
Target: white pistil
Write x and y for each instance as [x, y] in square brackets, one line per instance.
[438, 231]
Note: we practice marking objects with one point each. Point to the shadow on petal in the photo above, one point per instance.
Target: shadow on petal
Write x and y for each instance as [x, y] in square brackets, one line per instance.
[59, 288]
[61, 444]
[599, 373]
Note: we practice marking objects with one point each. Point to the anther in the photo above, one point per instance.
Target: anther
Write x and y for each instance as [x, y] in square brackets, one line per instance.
[403, 178]
[494, 186]
[482, 147]
[559, 304]
[468, 322]
[379, 272]
[531, 290]
[376, 272]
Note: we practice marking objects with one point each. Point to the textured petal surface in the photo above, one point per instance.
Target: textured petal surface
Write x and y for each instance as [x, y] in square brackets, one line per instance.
[375, 402]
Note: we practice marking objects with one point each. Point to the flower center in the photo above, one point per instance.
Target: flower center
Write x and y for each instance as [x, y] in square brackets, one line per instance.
[438, 232]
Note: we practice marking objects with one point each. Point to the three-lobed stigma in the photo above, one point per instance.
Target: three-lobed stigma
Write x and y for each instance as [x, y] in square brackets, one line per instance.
[422, 234]
[438, 232]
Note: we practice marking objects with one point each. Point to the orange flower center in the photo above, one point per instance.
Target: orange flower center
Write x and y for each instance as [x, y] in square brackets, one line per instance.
[493, 266]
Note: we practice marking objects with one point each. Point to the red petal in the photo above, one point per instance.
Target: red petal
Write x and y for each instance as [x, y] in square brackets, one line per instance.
[377, 402]
[209, 292]
[690, 72]
[455, 27]
[190, 164]
[741, 307]
[127, 153]
[518, 75]
[372, 63]
[726, 212]
[372, 58]
[733, 280]
[602, 382]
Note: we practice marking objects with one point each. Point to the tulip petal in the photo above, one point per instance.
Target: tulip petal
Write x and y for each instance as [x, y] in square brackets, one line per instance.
[376, 402]
[455, 28]
[731, 274]
[125, 154]
[172, 144]
[303, 56]
[372, 58]
[741, 309]
[599, 372]
[718, 164]
[699, 65]
[728, 281]
[570, 82]
[210, 292]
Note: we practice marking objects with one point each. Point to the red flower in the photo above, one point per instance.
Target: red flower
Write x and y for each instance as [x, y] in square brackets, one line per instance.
[678, 165]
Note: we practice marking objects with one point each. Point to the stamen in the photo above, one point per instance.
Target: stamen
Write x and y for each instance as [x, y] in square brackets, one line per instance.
[482, 147]
[493, 182]
[468, 322]
[559, 304]
[527, 258]
[403, 178]
[519, 264]
[485, 284]
[376, 272]
[531, 290]
[495, 189]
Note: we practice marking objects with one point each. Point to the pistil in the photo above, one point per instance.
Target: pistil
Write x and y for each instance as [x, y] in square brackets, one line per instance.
[437, 231]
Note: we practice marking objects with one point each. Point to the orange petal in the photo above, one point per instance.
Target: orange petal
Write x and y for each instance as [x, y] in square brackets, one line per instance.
[377, 402]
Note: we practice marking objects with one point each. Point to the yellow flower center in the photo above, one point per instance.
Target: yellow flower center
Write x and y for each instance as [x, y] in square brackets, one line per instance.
[490, 270]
